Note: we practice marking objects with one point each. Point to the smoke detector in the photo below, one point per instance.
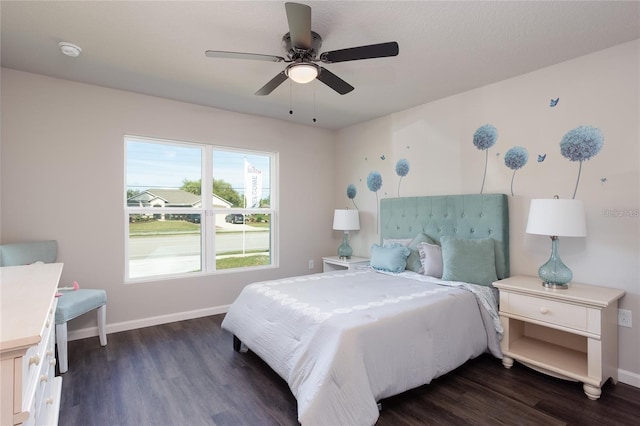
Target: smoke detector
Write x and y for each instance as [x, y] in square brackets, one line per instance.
[69, 49]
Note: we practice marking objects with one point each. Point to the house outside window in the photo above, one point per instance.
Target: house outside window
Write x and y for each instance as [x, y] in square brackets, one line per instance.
[174, 227]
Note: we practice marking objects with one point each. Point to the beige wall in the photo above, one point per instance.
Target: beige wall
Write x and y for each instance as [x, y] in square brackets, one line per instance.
[601, 90]
[63, 150]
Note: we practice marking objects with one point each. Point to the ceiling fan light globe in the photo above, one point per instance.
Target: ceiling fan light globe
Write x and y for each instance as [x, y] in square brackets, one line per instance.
[302, 73]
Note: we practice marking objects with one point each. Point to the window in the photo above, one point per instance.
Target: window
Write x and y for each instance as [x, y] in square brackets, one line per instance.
[173, 226]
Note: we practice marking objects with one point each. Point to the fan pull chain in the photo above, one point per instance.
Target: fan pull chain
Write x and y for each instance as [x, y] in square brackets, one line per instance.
[290, 98]
[315, 84]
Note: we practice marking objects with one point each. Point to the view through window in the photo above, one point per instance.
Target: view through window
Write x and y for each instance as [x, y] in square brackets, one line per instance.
[176, 227]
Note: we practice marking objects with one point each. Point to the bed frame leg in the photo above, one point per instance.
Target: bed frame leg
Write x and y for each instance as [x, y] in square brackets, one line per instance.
[237, 344]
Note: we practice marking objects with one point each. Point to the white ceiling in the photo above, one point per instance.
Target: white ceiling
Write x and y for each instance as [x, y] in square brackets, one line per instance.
[446, 47]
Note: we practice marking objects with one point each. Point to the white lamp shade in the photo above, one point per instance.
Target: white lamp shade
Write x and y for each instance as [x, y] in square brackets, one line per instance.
[302, 73]
[346, 220]
[557, 217]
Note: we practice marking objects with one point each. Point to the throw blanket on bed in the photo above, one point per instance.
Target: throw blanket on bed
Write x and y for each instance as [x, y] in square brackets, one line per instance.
[345, 340]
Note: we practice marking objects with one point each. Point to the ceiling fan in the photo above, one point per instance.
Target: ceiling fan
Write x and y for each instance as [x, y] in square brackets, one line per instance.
[302, 46]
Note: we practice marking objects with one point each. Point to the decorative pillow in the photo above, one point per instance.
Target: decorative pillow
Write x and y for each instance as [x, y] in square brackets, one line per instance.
[471, 261]
[431, 259]
[390, 259]
[413, 261]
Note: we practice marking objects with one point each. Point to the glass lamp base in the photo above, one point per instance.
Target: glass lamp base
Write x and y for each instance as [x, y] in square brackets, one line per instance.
[557, 286]
[345, 251]
[554, 273]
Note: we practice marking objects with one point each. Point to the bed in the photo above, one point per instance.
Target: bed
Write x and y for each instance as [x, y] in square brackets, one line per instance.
[345, 340]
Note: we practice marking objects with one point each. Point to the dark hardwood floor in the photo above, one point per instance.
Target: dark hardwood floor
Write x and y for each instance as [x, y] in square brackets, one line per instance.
[186, 373]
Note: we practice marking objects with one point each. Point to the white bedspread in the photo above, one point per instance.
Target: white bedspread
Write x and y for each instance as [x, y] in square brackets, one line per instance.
[345, 340]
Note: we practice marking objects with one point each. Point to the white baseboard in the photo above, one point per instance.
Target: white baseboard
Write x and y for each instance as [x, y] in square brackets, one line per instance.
[624, 376]
[629, 378]
[147, 322]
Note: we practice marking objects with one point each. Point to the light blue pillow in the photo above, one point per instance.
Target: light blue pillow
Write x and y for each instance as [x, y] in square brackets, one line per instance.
[471, 261]
[390, 259]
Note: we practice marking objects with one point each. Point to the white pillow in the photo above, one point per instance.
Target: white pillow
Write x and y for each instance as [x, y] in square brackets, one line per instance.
[431, 259]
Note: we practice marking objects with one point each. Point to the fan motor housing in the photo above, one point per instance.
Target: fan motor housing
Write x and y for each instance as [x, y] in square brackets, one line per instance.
[294, 53]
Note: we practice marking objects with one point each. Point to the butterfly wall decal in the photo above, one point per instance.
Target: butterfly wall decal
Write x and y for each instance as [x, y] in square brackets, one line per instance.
[382, 157]
[541, 157]
[554, 102]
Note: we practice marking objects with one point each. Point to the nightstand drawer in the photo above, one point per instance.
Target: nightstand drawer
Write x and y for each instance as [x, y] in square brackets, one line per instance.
[536, 308]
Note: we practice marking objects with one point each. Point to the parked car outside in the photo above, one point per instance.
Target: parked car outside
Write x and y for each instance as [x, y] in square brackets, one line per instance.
[234, 218]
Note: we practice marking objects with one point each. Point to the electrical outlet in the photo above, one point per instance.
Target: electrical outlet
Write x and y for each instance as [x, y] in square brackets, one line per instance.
[311, 264]
[624, 317]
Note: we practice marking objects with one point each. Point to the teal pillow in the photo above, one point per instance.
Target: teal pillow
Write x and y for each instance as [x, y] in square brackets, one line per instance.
[413, 261]
[390, 259]
[471, 261]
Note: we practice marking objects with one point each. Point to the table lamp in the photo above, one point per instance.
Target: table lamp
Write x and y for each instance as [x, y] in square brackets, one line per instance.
[556, 218]
[345, 220]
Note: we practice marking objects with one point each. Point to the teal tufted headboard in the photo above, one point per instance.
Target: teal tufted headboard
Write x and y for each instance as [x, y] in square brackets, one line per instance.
[463, 216]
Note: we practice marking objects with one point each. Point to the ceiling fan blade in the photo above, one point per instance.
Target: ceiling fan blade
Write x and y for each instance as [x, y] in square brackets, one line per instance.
[299, 18]
[380, 50]
[333, 81]
[271, 85]
[240, 55]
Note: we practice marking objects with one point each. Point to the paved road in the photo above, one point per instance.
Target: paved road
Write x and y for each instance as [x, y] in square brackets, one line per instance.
[170, 254]
[189, 244]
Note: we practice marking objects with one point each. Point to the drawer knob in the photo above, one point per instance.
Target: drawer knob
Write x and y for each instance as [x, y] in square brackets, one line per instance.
[44, 378]
[544, 310]
[50, 400]
[34, 359]
[52, 361]
[49, 353]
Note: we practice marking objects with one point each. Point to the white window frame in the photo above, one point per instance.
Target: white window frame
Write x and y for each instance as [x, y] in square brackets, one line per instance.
[207, 215]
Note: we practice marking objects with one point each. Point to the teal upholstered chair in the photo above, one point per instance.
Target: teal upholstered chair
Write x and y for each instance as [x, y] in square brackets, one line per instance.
[71, 304]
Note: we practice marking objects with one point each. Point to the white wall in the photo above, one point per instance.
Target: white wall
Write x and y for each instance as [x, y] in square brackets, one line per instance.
[63, 179]
[601, 90]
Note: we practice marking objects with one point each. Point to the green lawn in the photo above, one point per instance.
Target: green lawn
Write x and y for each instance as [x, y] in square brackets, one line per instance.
[164, 226]
[239, 262]
[178, 226]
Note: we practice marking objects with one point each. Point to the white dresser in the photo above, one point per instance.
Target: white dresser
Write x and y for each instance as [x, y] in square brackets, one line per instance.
[29, 390]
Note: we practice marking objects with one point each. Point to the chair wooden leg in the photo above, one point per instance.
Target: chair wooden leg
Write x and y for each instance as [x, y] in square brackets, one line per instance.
[61, 341]
[102, 321]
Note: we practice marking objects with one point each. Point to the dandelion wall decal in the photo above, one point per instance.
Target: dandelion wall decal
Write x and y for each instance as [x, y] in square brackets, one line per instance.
[351, 193]
[484, 138]
[514, 159]
[402, 169]
[580, 144]
[374, 183]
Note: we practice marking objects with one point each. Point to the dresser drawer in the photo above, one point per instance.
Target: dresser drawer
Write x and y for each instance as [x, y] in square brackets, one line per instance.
[549, 311]
[38, 368]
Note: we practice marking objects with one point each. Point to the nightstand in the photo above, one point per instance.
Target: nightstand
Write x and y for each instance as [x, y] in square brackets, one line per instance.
[571, 334]
[334, 263]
